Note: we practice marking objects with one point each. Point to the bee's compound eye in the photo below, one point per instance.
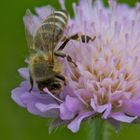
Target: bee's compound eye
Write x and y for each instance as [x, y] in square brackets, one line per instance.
[55, 85]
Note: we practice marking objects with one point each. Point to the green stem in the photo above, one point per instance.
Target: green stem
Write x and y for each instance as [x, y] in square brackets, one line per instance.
[99, 130]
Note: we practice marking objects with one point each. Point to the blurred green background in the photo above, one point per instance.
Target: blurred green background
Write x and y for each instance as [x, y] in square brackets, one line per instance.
[15, 122]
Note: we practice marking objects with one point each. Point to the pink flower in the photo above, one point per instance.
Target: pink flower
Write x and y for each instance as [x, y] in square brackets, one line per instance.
[107, 78]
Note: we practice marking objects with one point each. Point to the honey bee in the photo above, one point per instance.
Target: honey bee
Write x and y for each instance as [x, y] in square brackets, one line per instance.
[44, 67]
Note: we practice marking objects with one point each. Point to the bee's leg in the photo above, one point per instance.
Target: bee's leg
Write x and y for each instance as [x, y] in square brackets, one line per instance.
[63, 38]
[86, 38]
[69, 59]
[63, 55]
[32, 84]
[77, 37]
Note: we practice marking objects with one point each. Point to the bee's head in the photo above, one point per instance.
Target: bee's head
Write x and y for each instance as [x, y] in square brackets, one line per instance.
[55, 86]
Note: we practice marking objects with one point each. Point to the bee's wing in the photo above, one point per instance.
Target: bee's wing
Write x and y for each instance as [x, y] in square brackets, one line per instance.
[45, 37]
[56, 23]
[54, 32]
[32, 24]
[52, 42]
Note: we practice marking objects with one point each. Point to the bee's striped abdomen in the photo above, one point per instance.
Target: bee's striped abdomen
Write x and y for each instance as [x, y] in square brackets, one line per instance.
[55, 24]
[51, 29]
[58, 19]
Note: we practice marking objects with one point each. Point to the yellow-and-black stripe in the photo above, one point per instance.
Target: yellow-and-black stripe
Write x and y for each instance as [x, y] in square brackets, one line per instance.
[55, 24]
[51, 30]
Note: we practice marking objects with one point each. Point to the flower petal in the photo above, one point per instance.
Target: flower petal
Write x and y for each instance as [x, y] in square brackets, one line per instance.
[44, 107]
[102, 108]
[75, 124]
[65, 114]
[120, 116]
[132, 107]
[36, 97]
[107, 111]
[44, 11]
[73, 104]
[94, 103]
[31, 107]
[70, 108]
[24, 72]
[16, 93]
[32, 23]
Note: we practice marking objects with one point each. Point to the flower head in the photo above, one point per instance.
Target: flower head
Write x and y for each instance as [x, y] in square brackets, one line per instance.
[106, 81]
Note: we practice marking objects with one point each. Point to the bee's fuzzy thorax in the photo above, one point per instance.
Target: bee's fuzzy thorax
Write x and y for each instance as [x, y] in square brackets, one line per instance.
[38, 65]
[40, 68]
